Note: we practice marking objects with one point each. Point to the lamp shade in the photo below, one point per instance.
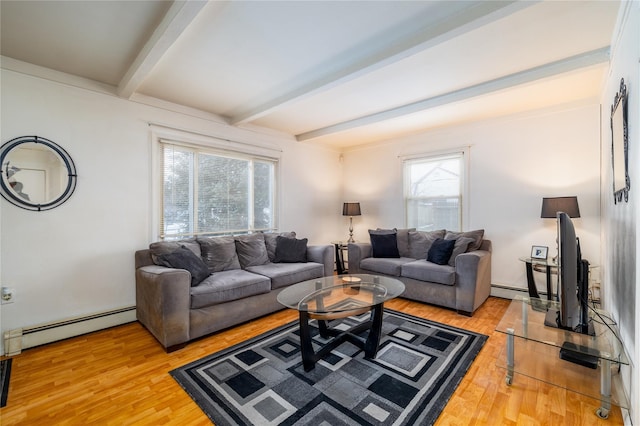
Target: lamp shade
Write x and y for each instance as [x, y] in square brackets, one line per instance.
[551, 206]
[351, 209]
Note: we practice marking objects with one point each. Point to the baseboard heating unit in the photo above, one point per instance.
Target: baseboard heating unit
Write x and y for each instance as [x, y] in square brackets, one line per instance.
[19, 339]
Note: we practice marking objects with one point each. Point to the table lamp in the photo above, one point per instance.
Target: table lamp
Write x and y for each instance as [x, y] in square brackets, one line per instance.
[552, 205]
[351, 209]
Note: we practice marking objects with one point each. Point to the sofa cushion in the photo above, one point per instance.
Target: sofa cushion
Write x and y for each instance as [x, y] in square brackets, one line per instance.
[284, 274]
[384, 244]
[219, 253]
[226, 286]
[270, 240]
[388, 266]
[290, 250]
[440, 251]
[164, 247]
[251, 250]
[420, 242]
[461, 246]
[183, 258]
[477, 236]
[424, 270]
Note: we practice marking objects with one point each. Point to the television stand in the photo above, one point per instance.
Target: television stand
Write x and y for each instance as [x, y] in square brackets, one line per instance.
[532, 350]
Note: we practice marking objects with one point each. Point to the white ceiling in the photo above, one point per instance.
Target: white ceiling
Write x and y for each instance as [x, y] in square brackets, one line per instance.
[339, 73]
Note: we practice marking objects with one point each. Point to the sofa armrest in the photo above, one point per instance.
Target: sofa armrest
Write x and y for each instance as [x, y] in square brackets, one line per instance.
[358, 252]
[162, 303]
[322, 254]
[473, 280]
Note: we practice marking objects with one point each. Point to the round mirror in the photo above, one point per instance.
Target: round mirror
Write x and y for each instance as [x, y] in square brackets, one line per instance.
[37, 174]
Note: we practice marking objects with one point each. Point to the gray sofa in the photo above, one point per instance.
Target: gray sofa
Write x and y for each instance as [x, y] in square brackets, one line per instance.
[463, 283]
[241, 279]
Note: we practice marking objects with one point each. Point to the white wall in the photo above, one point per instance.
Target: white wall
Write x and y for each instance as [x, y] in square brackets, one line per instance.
[621, 269]
[79, 258]
[514, 163]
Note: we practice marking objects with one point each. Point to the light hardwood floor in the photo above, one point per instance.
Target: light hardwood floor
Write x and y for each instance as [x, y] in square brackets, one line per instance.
[120, 376]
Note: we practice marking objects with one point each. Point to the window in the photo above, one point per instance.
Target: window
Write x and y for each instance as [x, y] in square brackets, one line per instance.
[209, 192]
[433, 191]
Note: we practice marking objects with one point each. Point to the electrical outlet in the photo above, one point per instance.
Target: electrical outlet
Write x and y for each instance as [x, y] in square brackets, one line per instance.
[7, 295]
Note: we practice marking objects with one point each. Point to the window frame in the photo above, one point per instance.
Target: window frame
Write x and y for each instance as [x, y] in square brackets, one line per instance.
[464, 153]
[209, 145]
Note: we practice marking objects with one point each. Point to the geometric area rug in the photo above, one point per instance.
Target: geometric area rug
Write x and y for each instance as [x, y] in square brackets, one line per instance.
[262, 381]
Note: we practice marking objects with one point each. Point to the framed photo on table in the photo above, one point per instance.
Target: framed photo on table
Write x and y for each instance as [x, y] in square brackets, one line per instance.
[539, 252]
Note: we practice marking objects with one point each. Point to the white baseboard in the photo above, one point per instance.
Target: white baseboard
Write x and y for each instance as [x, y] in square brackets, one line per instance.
[23, 338]
[507, 292]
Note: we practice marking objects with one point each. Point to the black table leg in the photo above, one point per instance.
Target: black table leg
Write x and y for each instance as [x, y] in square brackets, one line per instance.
[306, 345]
[339, 261]
[549, 290]
[373, 340]
[531, 283]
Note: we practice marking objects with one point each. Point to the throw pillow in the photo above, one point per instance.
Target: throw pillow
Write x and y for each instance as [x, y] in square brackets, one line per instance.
[384, 244]
[270, 240]
[184, 258]
[290, 250]
[165, 247]
[219, 253]
[461, 245]
[440, 251]
[477, 236]
[402, 239]
[420, 242]
[251, 250]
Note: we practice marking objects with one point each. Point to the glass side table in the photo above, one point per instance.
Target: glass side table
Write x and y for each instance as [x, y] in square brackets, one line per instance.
[537, 354]
[342, 261]
[547, 266]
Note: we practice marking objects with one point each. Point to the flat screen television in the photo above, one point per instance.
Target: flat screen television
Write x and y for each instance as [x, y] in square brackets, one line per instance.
[573, 282]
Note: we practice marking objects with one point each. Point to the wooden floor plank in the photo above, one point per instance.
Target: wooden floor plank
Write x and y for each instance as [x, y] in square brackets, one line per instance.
[120, 376]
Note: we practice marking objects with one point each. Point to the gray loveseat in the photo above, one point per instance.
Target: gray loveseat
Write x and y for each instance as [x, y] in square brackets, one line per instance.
[462, 282]
[241, 278]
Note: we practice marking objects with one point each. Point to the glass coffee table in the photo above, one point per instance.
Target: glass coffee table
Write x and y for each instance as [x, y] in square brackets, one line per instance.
[336, 297]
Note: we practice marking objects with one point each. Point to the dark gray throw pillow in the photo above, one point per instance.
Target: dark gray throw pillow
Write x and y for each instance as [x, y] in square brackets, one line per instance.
[440, 251]
[251, 250]
[271, 240]
[461, 246]
[219, 253]
[183, 258]
[384, 245]
[290, 250]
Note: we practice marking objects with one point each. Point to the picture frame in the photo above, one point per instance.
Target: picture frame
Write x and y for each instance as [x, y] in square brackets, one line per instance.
[539, 252]
[620, 146]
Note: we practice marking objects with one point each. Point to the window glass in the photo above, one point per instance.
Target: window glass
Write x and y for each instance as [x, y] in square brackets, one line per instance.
[433, 192]
[209, 193]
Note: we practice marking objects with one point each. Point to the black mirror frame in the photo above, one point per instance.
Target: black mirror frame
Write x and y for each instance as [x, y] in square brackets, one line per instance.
[620, 101]
[13, 198]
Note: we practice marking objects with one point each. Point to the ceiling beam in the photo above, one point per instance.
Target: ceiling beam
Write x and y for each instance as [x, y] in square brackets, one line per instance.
[480, 14]
[177, 19]
[572, 63]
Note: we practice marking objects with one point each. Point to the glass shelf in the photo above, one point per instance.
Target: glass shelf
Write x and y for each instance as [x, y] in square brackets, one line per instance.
[533, 350]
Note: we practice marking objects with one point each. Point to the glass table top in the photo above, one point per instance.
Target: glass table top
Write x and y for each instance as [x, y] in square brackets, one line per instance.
[340, 293]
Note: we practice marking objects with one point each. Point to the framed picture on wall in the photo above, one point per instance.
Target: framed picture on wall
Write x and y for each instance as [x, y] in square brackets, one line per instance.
[539, 252]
